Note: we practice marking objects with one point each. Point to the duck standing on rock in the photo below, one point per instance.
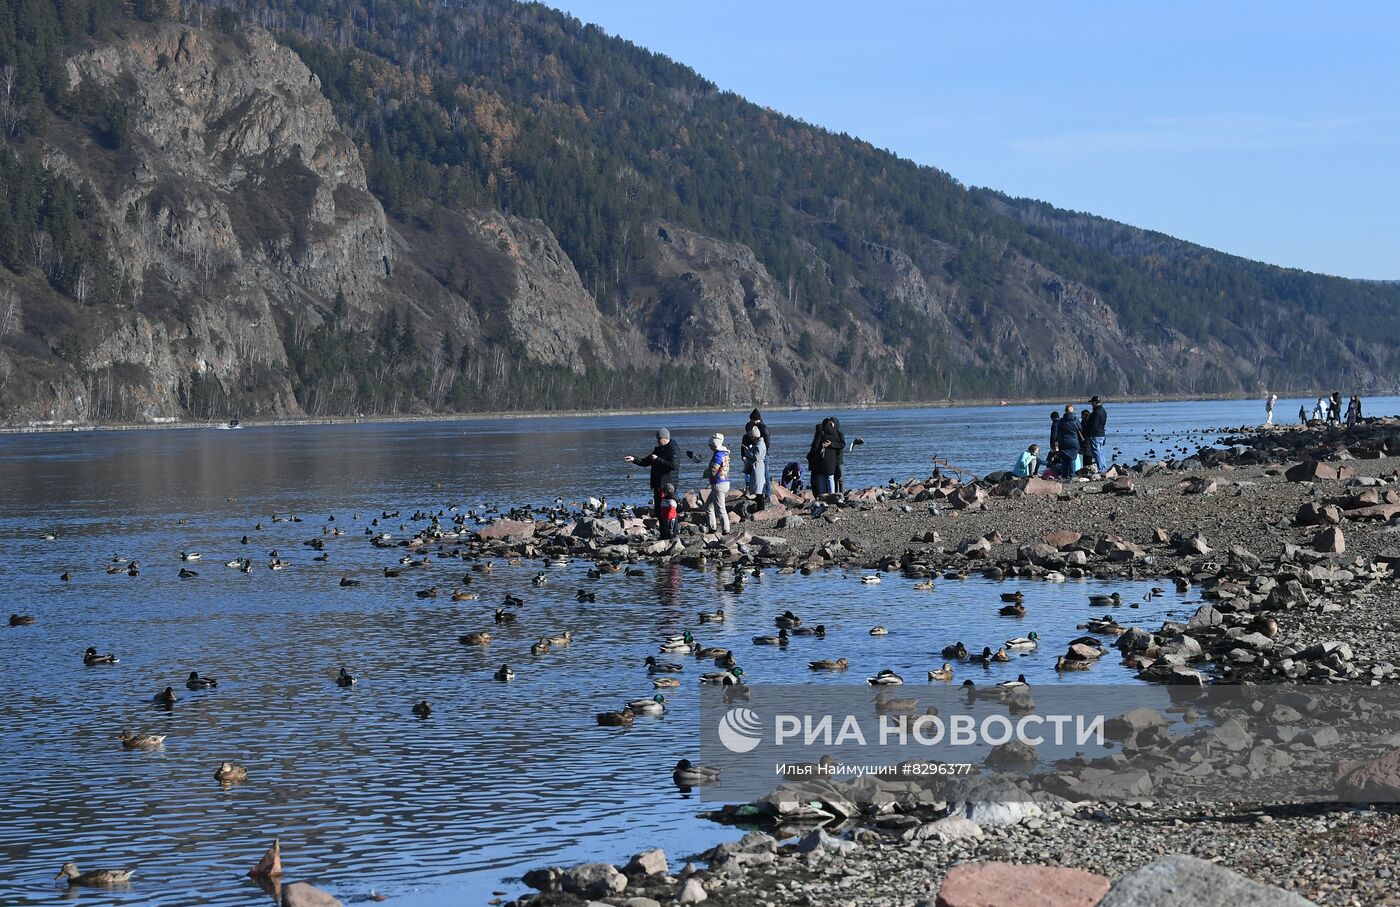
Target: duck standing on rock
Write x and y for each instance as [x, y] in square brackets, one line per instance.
[97, 878]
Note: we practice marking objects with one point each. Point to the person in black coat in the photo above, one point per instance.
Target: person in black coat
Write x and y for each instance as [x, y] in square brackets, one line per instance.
[665, 463]
[756, 421]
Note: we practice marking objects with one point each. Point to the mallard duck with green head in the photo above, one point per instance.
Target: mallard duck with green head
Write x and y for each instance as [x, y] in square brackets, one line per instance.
[653, 706]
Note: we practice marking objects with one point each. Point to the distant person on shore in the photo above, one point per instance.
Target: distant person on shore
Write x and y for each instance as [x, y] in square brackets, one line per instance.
[665, 463]
[717, 473]
[1070, 440]
[668, 514]
[1269, 409]
[754, 452]
[1320, 410]
[1095, 431]
[1353, 412]
[1054, 429]
[1028, 464]
[824, 458]
[1334, 408]
[1302, 414]
[838, 443]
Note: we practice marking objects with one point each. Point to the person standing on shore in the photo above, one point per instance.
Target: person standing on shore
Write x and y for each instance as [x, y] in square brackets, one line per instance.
[838, 447]
[1096, 432]
[667, 514]
[1269, 409]
[756, 421]
[754, 452]
[716, 508]
[1320, 409]
[1302, 414]
[665, 464]
[1353, 412]
[1334, 408]
[1069, 440]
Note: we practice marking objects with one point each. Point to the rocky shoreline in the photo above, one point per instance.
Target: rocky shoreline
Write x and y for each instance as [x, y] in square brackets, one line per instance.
[1289, 534]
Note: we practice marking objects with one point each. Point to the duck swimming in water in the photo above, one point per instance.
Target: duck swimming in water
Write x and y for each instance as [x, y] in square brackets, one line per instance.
[653, 706]
[665, 683]
[827, 664]
[688, 774]
[97, 878]
[421, 709]
[475, 639]
[165, 697]
[230, 773]
[885, 678]
[958, 651]
[1024, 643]
[92, 658]
[195, 682]
[623, 718]
[506, 673]
[943, 673]
[1016, 609]
[345, 679]
[22, 620]
[141, 741]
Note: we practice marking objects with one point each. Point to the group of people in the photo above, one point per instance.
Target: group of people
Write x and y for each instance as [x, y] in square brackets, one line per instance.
[1327, 409]
[826, 460]
[664, 461]
[1071, 438]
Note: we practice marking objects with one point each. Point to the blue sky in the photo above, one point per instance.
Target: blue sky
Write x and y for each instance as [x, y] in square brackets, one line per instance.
[1270, 130]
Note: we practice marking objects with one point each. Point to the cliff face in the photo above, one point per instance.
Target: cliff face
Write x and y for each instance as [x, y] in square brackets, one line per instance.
[257, 275]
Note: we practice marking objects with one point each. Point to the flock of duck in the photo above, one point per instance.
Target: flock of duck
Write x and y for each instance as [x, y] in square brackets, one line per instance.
[660, 669]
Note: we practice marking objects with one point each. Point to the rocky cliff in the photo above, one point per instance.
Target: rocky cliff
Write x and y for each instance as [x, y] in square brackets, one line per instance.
[252, 269]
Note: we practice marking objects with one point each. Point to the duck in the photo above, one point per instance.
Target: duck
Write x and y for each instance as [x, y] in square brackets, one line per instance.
[958, 651]
[165, 697]
[885, 678]
[462, 595]
[1103, 624]
[479, 638]
[195, 682]
[186, 573]
[886, 703]
[561, 639]
[682, 643]
[540, 579]
[879, 631]
[22, 620]
[505, 617]
[1065, 664]
[506, 673]
[787, 620]
[1016, 609]
[665, 683]
[819, 631]
[344, 679]
[1019, 682]
[430, 592]
[727, 678]
[90, 657]
[1016, 597]
[190, 555]
[986, 657]
[1024, 643]
[725, 661]
[421, 709]
[653, 706]
[586, 596]
[828, 664]
[716, 616]
[65, 576]
[662, 667]
[943, 673]
[97, 878]
[872, 579]
[623, 718]
[141, 741]
[689, 774]
[512, 601]
[1000, 654]
[230, 773]
[768, 640]
[348, 583]
[540, 648]
[925, 586]
[1268, 626]
[1099, 598]
[712, 652]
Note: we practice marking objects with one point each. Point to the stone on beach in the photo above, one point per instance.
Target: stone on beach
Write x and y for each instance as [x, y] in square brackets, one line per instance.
[1014, 885]
[648, 862]
[1178, 880]
[1330, 541]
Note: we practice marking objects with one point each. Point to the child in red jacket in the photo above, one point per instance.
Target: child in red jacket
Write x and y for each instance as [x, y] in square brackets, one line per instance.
[668, 515]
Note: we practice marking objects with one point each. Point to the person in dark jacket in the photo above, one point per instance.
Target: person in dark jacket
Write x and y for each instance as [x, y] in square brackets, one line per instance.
[1095, 431]
[1068, 436]
[838, 450]
[665, 463]
[824, 457]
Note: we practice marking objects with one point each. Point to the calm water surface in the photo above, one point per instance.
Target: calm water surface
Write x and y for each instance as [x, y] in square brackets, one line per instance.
[363, 796]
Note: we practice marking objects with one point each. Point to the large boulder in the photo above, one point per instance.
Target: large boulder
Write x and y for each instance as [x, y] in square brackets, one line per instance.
[1177, 880]
[521, 529]
[1318, 471]
[1014, 885]
[1330, 541]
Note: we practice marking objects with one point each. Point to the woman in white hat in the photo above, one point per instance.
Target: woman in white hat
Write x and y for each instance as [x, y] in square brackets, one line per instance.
[716, 511]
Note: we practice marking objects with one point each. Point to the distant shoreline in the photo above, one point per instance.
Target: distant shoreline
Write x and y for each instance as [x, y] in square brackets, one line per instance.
[53, 428]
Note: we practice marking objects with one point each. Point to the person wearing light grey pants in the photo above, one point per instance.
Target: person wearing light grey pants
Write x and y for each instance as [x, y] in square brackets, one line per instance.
[716, 510]
[755, 454]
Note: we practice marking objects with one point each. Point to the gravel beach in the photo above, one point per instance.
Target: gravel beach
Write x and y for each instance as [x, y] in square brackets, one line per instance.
[1289, 535]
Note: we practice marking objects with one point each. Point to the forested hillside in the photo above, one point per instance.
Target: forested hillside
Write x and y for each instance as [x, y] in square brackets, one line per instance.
[485, 205]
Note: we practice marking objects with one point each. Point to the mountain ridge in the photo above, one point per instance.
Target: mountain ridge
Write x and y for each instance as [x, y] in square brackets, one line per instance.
[532, 215]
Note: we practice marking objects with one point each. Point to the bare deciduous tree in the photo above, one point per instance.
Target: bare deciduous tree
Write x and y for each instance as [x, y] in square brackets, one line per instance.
[11, 320]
